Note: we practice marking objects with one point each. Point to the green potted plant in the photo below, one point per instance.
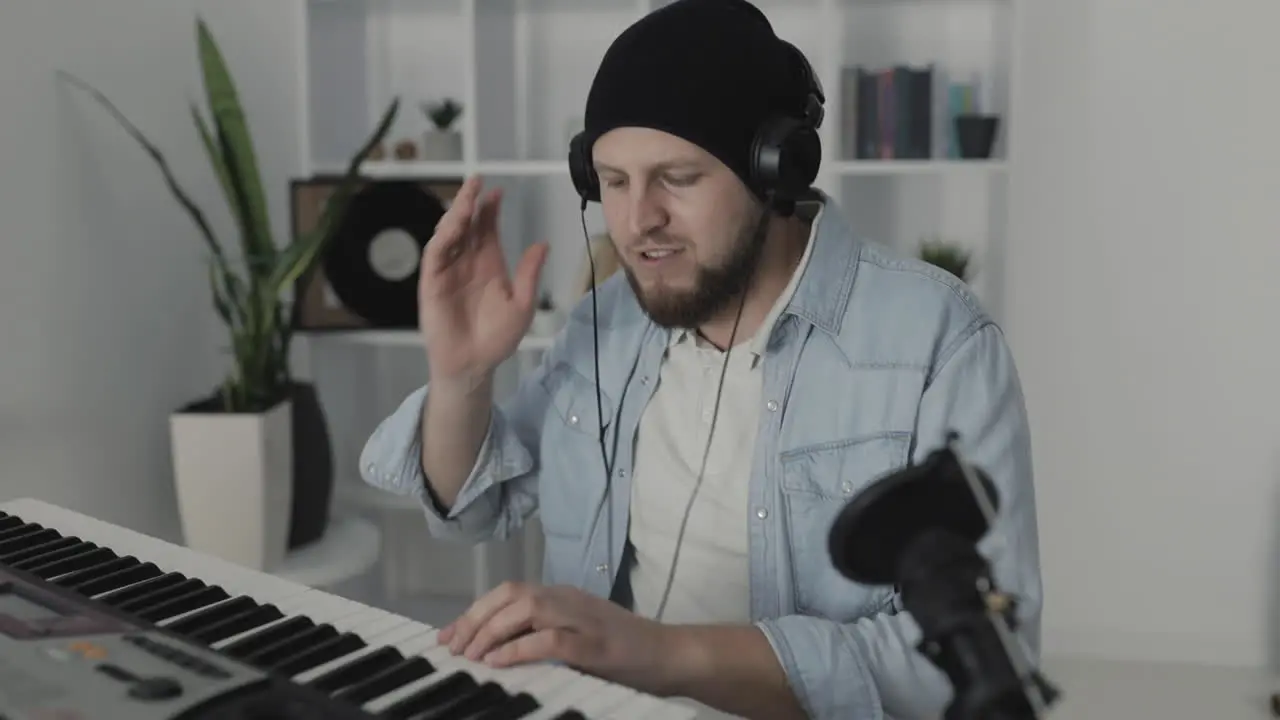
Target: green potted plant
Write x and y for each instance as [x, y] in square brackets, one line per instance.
[442, 142]
[951, 257]
[234, 451]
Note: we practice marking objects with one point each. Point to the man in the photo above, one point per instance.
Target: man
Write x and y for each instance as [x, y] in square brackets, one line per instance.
[756, 370]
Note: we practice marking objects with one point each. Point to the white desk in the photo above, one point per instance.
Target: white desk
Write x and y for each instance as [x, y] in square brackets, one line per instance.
[1095, 689]
[349, 547]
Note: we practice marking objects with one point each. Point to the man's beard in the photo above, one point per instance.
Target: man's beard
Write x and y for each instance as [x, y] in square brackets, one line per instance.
[714, 287]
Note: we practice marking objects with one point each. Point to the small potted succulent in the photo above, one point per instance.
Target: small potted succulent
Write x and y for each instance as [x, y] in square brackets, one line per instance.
[951, 257]
[442, 142]
[546, 318]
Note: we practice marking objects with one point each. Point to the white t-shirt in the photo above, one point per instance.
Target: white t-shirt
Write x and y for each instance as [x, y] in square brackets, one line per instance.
[711, 583]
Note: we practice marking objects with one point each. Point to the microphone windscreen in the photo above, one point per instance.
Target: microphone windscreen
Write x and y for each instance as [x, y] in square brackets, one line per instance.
[874, 530]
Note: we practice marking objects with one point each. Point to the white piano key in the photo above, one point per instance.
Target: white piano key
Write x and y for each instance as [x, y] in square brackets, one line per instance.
[648, 707]
[605, 700]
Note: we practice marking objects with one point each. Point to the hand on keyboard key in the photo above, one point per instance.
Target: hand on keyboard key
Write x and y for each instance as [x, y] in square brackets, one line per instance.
[518, 623]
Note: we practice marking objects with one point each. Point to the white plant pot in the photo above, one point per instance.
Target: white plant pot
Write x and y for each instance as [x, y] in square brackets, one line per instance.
[234, 483]
[546, 323]
[442, 145]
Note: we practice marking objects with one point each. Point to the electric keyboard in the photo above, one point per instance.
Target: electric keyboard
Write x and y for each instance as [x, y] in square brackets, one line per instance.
[100, 621]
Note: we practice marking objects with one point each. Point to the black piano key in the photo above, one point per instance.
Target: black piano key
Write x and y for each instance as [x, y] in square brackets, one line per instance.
[36, 561]
[192, 600]
[292, 646]
[434, 697]
[488, 696]
[39, 537]
[115, 598]
[159, 595]
[22, 530]
[72, 563]
[254, 642]
[21, 552]
[96, 571]
[211, 615]
[403, 672]
[570, 715]
[515, 708]
[117, 580]
[327, 651]
[236, 624]
[358, 669]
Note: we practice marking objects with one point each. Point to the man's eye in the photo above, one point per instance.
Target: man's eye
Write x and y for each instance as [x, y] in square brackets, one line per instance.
[682, 180]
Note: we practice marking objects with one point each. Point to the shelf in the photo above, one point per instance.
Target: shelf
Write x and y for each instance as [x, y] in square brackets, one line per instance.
[558, 168]
[916, 167]
[522, 70]
[425, 169]
[407, 338]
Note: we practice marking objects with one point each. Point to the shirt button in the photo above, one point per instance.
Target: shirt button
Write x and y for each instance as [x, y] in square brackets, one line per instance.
[772, 405]
[644, 380]
[622, 473]
[573, 419]
[602, 568]
[846, 487]
[762, 513]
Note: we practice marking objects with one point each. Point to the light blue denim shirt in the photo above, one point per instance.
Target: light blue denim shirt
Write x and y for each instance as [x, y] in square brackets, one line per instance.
[874, 360]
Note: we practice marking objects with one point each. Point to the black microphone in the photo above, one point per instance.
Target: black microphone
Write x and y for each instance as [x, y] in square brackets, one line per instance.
[918, 529]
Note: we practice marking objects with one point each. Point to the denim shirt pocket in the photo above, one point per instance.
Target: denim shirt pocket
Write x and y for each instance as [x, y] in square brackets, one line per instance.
[572, 472]
[817, 482]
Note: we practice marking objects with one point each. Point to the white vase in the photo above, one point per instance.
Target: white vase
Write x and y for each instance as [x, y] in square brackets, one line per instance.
[234, 483]
[545, 323]
[442, 145]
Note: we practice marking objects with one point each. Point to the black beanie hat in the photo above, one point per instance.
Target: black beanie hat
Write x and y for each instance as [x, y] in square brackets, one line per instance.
[708, 71]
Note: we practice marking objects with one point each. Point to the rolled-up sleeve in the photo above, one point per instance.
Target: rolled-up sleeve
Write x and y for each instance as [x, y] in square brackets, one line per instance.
[501, 490]
[870, 669]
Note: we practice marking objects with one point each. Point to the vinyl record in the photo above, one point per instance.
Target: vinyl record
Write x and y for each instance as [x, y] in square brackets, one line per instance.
[373, 261]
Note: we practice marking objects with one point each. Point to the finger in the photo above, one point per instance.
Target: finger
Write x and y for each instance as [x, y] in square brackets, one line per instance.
[561, 644]
[452, 229]
[528, 272]
[463, 630]
[534, 611]
[485, 226]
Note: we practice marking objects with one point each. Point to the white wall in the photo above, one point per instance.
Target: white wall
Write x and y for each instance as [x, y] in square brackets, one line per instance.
[104, 304]
[1141, 304]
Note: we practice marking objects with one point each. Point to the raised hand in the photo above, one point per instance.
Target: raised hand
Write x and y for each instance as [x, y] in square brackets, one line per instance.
[472, 312]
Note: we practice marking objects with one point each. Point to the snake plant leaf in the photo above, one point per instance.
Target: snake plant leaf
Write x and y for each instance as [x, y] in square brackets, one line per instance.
[241, 204]
[302, 253]
[214, 152]
[238, 149]
[197, 216]
[230, 312]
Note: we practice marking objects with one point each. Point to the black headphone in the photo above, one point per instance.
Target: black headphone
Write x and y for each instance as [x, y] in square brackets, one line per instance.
[785, 154]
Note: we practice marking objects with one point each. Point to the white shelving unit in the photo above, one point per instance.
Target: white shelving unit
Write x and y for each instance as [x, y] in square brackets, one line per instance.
[521, 70]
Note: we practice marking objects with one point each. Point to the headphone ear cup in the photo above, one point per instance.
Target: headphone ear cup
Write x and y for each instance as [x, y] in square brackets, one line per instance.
[581, 172]
[785, 157]
[766, 154]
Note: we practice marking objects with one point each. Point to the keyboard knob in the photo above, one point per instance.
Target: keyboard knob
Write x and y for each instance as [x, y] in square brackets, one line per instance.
[155, 688]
